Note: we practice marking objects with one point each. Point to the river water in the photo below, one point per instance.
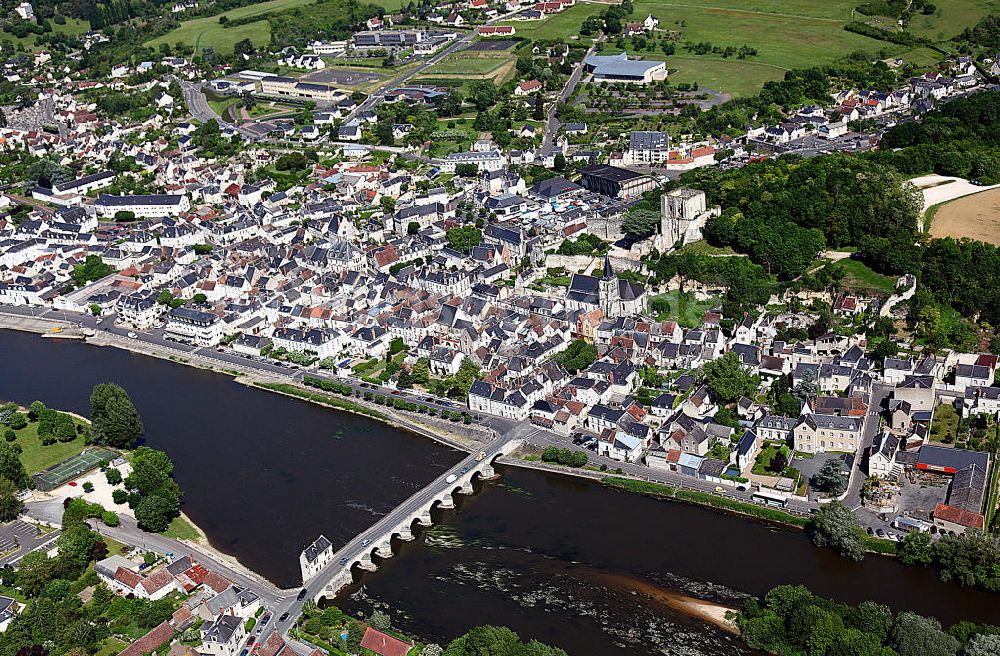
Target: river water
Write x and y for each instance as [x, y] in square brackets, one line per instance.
[562, 560]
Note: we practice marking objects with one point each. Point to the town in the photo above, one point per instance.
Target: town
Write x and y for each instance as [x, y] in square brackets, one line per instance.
[568, 260]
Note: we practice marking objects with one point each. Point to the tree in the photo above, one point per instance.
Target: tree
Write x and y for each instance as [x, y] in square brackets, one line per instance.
[412, 228]
[464, 239]
[639, 222]
[830, 478]
[579, 355]
[983, 644]
[915, 549]
[10, 504]
[35, 409]
[379, 620]
[915, 635]
[11, 467]
[153, 514]
[34, 570]
[115, 421]
[727, 379]
[93, 268]
[837, 527]
[482, 94]
[199, 298]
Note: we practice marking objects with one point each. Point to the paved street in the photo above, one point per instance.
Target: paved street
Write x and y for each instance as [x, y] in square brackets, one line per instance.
[552, 123]
[20, 537]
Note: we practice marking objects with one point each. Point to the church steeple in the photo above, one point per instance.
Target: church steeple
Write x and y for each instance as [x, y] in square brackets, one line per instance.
[608, 273]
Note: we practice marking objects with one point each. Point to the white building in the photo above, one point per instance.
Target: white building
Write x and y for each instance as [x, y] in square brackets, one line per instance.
[145, 206]
[223, 637]
[194, 326]
[315, 557]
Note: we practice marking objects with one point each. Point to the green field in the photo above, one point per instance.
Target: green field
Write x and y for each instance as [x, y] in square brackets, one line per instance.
[471, 63]
[207, 33]
[951, 18]
[564, 25]
[36, 457]
[72, 26]
[861, 278]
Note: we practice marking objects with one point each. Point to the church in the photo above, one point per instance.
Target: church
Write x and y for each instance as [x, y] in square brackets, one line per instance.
[613, 296]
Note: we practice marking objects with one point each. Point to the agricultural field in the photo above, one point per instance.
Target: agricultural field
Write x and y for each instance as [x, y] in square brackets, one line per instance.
[951, 18]
[208, 33]
[976, 217]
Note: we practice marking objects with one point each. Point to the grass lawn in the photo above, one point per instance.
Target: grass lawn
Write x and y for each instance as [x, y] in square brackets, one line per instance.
[111, 647]
[862, 278]
[220, 104]
[36, 457]
[207, 32]
[564, 25]
[684, 309]
[181, 529]
[762, 465]
[115, 548]
[945, 424]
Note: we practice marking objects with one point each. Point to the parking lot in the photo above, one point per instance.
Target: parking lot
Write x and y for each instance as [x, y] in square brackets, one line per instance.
[919, 497]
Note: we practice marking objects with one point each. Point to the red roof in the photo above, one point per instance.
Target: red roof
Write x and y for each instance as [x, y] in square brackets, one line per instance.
[216, 581]
[150, 642]
[128, 577]
[958, 516]
[383, 644]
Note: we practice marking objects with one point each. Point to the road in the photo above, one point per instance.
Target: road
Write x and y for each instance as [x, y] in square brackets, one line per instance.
[552, 123]
[231, 361]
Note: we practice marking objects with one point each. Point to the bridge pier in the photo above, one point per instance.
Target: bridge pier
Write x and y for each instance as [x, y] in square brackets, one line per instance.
[447, 502]
[367, 564]
[384, 549]
[405, 533]
[424, 518]
[467, 488]
[487, 472]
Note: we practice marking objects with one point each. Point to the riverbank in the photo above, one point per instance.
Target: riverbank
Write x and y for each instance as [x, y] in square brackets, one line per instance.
[716, 614]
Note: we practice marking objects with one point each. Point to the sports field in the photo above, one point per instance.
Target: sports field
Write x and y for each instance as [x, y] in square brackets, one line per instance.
[479, 64]
[72, 467]
[208, 33]
[976, 217]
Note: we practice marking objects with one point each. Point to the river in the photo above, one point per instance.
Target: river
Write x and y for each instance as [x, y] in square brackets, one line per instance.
[263, 475]
[562, 560]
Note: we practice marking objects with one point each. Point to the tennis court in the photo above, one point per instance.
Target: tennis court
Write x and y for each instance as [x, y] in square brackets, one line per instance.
[71, 467]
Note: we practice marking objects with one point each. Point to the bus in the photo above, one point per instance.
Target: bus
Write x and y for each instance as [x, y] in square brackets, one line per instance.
[768, 498]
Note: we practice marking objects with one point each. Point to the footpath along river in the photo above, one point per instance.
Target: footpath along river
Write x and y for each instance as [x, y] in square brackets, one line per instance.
[595, 571]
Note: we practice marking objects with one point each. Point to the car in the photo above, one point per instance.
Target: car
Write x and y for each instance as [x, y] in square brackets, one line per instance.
[465, 470]
[741, 488]
[244, 652]
[880, 533]
[718, 488]
[343, 561]
[251, 641]
[132, 335]
[302, 594]
[395, 391]
[72, 483]
[264, 620]
[99, 322]
[871, 531]
[365, 542]
[284, 616]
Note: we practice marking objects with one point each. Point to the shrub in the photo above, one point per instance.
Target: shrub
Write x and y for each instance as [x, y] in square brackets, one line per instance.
[113, 476]
[119, 496]
[88, 487]
[110, 518]
[9, 435]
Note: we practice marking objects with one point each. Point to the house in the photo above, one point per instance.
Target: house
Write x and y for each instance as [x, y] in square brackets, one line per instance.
[527, 88]
[955, 521]
[972, 375]
[820, 433]
[384, 644]
[746, 450]
[223, 637]
[619, 445]
[315, 557]
[882, 459]
[981, 401]
[8, 610]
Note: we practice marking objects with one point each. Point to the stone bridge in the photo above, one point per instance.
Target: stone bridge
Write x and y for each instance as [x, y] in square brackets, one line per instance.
[377, 541]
